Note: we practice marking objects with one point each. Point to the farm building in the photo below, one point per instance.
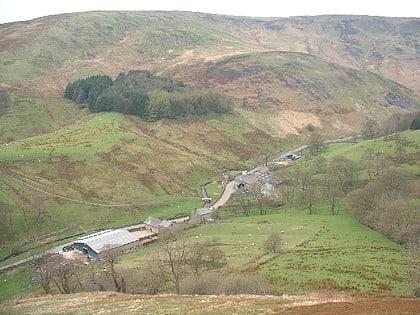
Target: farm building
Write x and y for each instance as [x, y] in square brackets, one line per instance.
[156, 225]
[105, 242]
[248, 180]
[201, 215]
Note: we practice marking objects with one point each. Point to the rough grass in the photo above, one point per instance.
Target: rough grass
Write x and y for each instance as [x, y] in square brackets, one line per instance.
[117, 303]
[317, 252]
[402, 148]
[15, 283]
[79, 141]
[28, 116]
[342, 255]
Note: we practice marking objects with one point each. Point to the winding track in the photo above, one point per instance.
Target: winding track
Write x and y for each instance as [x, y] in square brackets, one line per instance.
[36, 188]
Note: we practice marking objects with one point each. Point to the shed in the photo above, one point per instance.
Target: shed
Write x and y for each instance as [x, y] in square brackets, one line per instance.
[97, 244]
[201, 215]
[165, 224]
[156, 225]
[152, 224]
[247, 181]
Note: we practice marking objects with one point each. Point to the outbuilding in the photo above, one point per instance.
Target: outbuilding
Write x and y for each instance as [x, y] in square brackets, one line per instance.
[106, 242]
[156, 225]
[202, 215]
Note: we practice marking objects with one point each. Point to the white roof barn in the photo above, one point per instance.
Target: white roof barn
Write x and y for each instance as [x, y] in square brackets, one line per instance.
[98, 243]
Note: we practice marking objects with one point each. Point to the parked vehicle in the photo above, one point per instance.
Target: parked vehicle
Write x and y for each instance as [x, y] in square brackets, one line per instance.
[68, 247]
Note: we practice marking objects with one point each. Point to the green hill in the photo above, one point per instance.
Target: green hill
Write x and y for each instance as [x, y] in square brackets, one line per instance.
[291, 81]
[40, 57]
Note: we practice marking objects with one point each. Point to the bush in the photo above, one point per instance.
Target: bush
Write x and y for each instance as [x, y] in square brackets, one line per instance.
[415, 124]
[211, 283]
[272, 244]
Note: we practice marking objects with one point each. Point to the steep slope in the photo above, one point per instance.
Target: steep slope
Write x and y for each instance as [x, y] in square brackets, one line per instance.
[283, 92]
[39, 57]
[45, 53]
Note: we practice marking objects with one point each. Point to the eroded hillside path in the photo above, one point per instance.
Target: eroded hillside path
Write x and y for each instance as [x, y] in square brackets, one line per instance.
[42, 191]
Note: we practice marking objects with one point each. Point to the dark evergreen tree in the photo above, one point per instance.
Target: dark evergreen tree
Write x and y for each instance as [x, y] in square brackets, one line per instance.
[144, 94]
[415, 124]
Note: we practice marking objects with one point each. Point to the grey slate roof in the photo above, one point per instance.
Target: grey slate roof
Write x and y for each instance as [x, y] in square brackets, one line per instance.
[107, 239]
[152, 222]
[157, 223]
[165, 223]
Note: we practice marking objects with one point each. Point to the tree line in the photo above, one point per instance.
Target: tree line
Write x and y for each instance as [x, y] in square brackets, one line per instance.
[376, 191]
[141, 93]
[179, 267]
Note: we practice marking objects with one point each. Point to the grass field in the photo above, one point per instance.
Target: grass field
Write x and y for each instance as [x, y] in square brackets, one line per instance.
[28, 116]
[405, 145]
[318, 252]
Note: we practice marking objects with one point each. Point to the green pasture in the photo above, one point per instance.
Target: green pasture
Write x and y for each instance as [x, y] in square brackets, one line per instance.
[342, 255]
[28, 116]
[16, 282]
[84, 140]
[317, 252]
[406, 143]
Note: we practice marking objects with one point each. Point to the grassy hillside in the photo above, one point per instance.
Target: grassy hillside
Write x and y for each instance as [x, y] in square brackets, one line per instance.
[318, 252]
[38, 58]
[292, 80]
[26, 116]
[79, 44]
[328, 253]
[116, 160]
[282, 92]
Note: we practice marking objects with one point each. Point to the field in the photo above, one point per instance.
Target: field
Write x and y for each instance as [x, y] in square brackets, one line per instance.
[115, 303]
[67, 171]
[333, 255]
[318, 252]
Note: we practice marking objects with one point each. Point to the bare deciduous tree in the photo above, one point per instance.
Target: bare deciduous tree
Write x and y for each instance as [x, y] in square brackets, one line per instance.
[63, 273]
[272, 244]
[177, 261]
[118, 280]
[205, 256]
[261, 198]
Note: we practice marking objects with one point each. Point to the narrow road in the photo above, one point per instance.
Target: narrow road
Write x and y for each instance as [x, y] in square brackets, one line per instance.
[229, 190]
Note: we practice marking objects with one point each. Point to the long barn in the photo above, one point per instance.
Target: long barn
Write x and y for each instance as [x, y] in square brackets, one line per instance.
[106, 242]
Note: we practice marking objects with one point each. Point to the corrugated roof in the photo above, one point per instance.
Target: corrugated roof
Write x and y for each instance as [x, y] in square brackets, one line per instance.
[108, 239]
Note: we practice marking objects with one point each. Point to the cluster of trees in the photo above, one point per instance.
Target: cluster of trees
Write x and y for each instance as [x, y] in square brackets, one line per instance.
[307, 186]
[377, 193]
[415, 124]
[397, 122]
[387, 204]
[146, 95]
[179, 267]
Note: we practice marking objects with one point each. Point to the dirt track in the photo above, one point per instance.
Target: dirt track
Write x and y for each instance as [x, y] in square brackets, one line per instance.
[114, 303]
[36, 188]
[360, 306]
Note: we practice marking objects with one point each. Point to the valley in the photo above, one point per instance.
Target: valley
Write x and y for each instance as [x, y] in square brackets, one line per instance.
[333, 231]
